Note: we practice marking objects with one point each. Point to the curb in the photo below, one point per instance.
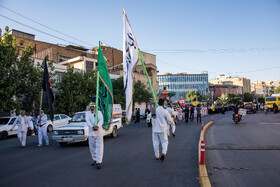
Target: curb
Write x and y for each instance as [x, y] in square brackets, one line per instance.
[203, 175]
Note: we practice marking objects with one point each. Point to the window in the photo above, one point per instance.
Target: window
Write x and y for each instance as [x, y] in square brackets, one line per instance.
[56, 118]
[63, 117]
[62, 58]
[89, 66]
[58, 76]
[4, 121]
[12, 121]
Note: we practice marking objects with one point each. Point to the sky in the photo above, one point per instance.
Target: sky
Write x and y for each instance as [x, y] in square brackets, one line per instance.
[232, 37]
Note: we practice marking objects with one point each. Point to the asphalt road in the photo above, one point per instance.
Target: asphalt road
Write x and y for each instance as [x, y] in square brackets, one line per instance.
[128, 161]
[246, 154]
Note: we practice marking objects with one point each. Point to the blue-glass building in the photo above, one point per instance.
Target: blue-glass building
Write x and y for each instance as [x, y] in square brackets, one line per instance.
[183, 83]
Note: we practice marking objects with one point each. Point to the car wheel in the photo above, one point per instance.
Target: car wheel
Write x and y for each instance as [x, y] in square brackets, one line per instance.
[62, 143]
[50, 128]
[3, 135]
[115, 132]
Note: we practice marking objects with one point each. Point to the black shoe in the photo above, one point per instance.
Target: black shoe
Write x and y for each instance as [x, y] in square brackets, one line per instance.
[162, 157]
[173, 134]
[99, 166]
[94, 163]
[157, 158]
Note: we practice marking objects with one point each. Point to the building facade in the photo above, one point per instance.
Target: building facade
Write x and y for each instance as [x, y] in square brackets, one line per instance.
[237, 81]
[217, 90]
[264, 88]
[182, 83]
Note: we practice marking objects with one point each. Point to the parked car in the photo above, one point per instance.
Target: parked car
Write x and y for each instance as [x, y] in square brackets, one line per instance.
[6, 125]
[250, 108]
[77, 130]
[58, 121]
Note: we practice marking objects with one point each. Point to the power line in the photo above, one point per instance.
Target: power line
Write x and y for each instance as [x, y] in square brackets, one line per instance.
[213, 51]
[38, 30]
[47, 26]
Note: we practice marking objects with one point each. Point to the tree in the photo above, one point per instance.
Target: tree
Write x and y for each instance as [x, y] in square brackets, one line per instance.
[248, 97]
[140, 93]
[118, 90]
[192, 95]
[20, 81]
[233, 99]
[223, 99]
[75, 91]
[277, 90]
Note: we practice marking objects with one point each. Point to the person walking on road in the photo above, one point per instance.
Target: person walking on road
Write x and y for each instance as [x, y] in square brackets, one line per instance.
[137, 115]
[22, 123]
[30, 123]
[198, 114]
[192, 114]
[95, 139]
[173, 127]
[42, 129]
[187, 113]
[163, 118]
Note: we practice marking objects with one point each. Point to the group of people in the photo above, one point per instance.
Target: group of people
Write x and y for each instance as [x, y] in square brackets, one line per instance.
[25, 123]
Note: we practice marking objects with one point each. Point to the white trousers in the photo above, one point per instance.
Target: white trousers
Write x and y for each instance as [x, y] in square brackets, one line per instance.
[160, 137]
[22, 137]
[173, 127]
[42, 132]
[96, 148]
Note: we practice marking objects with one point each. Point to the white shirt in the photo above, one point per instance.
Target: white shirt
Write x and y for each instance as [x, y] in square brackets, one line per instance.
[30, 122]
[90, 119]
[170, 110]
[43, 120]
[163, 118]
[22, 123]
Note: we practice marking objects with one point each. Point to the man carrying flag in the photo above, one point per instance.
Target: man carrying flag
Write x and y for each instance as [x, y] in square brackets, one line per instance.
[47, 100]
[130, 57]
[100, 114]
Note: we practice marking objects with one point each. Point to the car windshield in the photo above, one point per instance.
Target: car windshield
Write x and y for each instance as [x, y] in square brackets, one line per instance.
[248, 105]
[79, 117]
[271, 99]
[4, 121]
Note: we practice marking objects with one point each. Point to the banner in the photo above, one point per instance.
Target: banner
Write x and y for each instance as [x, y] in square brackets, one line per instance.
[105, 92]
[48, 97]
[130, 57]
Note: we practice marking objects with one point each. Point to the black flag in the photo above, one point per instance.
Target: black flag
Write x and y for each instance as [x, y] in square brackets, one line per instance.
[48, 97]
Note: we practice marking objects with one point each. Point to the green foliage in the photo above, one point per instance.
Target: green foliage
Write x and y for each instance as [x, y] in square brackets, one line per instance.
[140, 93]
[248, 97]
[233, 99]
[20, 81]
[118, 90]
[74, 91]
[192, 95]
[223, 99]
[277, 90]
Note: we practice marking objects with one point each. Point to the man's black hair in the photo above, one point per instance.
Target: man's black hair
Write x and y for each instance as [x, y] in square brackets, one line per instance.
[161, 102]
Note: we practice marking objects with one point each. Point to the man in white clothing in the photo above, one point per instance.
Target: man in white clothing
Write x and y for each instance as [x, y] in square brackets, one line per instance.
[95, 138]
[173, 127]
[42, 129]
[30, 123]
[162, 120]
[22, 123]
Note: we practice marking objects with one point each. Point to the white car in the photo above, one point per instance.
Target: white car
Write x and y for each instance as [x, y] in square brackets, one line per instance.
[58, 121]
[77, 130]
[6, 124]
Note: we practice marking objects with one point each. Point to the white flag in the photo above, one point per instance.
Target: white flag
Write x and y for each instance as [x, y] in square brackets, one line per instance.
[130, 57]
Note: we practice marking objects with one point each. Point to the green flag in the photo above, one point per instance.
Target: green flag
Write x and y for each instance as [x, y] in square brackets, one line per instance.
[105, 92]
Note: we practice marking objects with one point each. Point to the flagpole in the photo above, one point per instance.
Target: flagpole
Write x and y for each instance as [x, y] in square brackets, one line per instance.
[96, 101]
[41, 100]
[145, 70]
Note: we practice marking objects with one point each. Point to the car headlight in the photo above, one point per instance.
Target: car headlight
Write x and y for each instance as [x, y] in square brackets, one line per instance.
[55, 132]
[80, 132]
